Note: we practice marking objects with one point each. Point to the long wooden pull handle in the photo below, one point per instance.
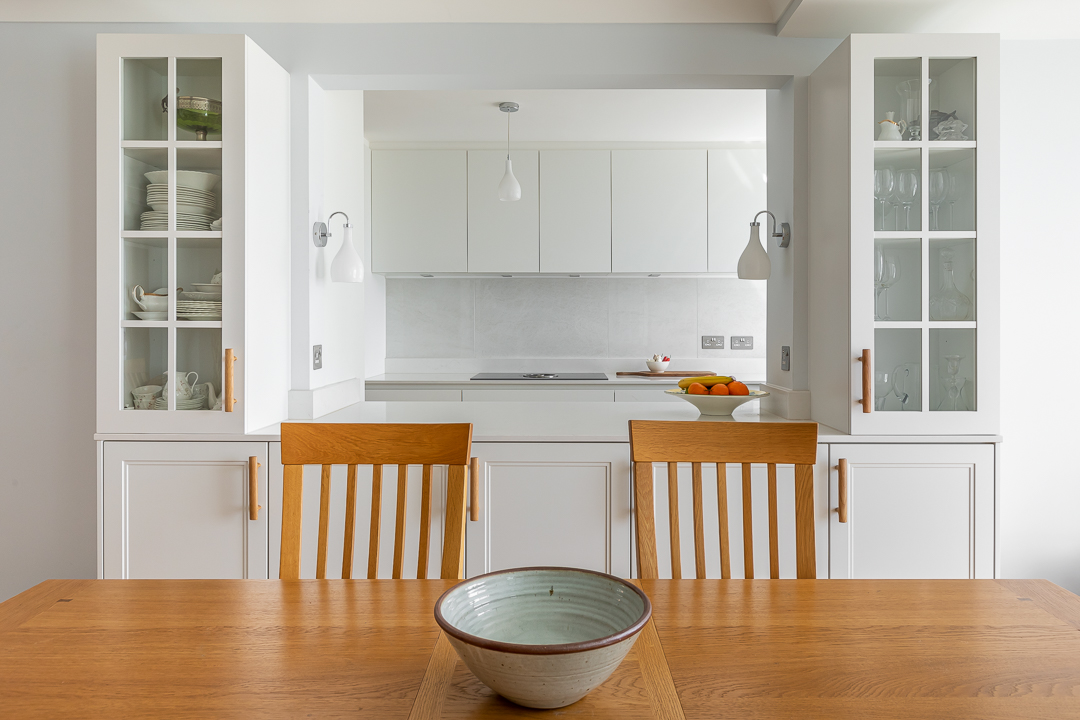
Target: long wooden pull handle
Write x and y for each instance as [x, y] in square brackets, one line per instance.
[230, 360]
[474, 489]
[867, 386]
[841, 489]
[253, 487]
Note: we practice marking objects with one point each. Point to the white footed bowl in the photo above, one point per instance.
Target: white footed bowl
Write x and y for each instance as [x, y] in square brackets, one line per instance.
[655, 366]
[717, 404]
[543, 637]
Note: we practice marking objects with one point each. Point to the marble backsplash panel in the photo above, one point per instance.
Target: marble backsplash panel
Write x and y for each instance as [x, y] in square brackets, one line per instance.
[586, 318]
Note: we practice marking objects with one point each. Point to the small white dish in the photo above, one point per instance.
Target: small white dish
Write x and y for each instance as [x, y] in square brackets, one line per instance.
[185, 178]
[717, 404]
[151, 315]
[207, 287]
[657, 366]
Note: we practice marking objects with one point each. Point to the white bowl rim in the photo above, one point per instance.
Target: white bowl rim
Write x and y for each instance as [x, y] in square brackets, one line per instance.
[552, 649]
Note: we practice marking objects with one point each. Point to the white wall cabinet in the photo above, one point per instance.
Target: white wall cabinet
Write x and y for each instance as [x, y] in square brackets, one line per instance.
[737, 192]
[914, 511]
[551, 504]
[659, 211]
[419, 219]
[154, 232]
[575, 211]
[181, 510]
[504, 237]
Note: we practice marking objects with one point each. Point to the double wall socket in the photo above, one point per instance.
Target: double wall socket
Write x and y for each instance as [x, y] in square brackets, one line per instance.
[712, 342]
[316, 357]
[742, 342]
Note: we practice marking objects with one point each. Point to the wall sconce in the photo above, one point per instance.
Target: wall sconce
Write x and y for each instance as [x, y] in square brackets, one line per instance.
[754, 262]
[347, 265]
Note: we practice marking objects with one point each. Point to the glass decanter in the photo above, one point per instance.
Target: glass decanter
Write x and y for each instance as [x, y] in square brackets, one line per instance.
[948, 303]
[953, 384]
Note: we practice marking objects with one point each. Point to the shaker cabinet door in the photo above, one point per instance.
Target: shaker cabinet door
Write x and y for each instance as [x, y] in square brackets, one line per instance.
[504, 237]
[551, 504]
[182, 510]
[913, 511]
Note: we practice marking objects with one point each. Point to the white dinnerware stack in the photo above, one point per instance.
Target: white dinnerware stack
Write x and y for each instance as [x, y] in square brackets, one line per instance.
[196, 203]
[194, 403]
[204, 303]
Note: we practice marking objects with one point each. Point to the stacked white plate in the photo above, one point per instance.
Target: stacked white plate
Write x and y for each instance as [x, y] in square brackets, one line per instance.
[198, 309]
[195, 209]
[195, 403]
[159, 220]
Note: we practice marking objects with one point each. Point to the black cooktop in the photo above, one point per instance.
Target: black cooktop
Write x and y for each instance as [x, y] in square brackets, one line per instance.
[540, 376]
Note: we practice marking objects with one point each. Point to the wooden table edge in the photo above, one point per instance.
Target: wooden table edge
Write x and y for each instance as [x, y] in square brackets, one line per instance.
[30, 603]
[1048, 597]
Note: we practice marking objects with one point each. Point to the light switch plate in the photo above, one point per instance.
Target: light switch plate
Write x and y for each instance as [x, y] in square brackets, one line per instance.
[316, 352]
[785, 357]
[712, 342]
[742, 342]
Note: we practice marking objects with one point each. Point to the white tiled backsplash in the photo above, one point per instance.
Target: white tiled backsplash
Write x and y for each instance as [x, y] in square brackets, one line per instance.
[496, 324]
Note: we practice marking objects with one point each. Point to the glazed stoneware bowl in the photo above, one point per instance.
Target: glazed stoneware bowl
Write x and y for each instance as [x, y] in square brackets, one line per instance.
[543, 637]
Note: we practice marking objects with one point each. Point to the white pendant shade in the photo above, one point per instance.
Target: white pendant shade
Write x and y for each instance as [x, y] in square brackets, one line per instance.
[509, 188]
[347, 265]
[754, 262]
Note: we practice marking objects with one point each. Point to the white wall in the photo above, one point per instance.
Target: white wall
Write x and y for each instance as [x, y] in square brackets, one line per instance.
[1040, 488]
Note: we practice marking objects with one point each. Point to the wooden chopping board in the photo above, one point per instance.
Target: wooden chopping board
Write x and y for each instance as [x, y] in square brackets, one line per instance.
[667, 374]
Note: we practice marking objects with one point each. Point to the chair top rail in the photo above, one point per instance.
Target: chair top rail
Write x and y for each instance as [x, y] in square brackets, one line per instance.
[709, 442]
[375, 443]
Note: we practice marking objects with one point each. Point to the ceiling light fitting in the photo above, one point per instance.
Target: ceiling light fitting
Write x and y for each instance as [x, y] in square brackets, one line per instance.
[509, 187]
[754, 262]
[347, 265]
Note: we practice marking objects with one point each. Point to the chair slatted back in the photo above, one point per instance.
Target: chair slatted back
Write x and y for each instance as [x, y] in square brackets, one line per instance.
[723, 443]
[329, 444]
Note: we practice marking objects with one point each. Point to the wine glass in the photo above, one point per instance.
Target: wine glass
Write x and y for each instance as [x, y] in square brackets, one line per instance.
[883, 385]
[952, 195]
[954, 385]
[884, 180]
[890, 274]
[907, 187]
[939, 191]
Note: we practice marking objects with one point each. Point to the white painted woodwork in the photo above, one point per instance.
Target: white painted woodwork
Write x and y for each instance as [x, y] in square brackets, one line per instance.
[424, 395]
[551, 504]
[785, 504]
[575, 211]
[504, 237]
[253, 161]
[537, 395]
[842, 230]
[419, 211]
[659, 211]
[181, 510]
[336, 532]
[737, 192]
[656, 394]
[914, 511]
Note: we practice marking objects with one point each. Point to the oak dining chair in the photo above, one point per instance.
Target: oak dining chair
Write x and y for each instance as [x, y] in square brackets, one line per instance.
[721, 443]
[377, 444]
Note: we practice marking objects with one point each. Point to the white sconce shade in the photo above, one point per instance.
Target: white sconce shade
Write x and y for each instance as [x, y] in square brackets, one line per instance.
[509, 187]
[754, 262]
[347, 265]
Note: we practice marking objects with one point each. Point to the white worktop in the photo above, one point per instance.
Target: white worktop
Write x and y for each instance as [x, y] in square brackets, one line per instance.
[546, 422]
[461, 381]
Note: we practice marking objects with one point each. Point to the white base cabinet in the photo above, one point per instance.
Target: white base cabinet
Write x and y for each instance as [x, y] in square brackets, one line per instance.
[914, 511]
[181, 510]
[562, 504]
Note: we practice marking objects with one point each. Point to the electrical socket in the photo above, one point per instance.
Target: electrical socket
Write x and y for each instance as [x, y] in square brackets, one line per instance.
[316, 352]
[712, 342]
[742, 342]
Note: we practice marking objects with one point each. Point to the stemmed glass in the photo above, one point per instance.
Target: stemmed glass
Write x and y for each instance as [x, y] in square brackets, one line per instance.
[952, 195]
[954, 385]
[883, 386]
[907, 187]
[939, 191]
[886, 274]
[884, 181]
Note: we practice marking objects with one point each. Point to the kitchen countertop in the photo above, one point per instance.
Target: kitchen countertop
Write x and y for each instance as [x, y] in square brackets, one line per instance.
[461, 380]
[545, 422]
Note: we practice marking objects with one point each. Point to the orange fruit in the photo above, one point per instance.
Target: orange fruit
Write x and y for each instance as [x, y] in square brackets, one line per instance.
[719, 389]
[737, 388]
[697, 389]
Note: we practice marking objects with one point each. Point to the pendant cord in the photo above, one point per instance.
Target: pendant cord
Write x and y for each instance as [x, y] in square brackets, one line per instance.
[508, 136]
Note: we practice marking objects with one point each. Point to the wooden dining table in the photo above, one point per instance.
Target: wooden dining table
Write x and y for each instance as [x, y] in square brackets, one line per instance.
[986, 649]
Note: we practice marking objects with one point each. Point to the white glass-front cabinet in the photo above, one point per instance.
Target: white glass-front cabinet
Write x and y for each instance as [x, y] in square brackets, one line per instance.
[904, 235]
[193, 234]
[184, 510]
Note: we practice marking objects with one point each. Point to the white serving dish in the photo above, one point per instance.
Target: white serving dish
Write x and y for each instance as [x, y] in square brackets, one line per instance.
[185, 178]
[207, 287]
[717, 404]
[151, 315]
[543, 637]
[655, 366]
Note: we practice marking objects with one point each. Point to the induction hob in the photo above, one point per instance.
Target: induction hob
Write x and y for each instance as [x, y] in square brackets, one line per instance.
[540, 376]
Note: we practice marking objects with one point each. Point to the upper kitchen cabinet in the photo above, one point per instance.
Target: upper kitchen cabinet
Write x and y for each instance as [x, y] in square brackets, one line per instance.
[737, 191]
[504, 237]
[659, 211]
[193, 234]
[419, 203]
[575, 211]
[904, 259]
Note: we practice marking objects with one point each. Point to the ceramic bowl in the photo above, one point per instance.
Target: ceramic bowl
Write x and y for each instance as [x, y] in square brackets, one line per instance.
[543, 637]
[717, 404]
[657, 366]
[185, 178]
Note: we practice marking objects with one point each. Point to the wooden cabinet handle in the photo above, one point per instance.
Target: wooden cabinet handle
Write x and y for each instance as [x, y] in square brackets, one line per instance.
[253, 487]
[867, 384]
[474, 489]
[841, 489]
[230, 360]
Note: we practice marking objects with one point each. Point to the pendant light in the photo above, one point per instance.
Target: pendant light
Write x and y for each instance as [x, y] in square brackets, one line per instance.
[509, 188]
[754, 262]
[347, 266]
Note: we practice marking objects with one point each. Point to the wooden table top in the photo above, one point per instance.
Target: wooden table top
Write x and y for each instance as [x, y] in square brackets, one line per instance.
[987, 649]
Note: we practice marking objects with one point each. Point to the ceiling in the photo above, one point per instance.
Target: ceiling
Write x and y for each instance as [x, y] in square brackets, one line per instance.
[566, 116]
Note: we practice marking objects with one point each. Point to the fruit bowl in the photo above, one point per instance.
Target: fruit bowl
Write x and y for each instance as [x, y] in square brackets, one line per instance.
[717, 404]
